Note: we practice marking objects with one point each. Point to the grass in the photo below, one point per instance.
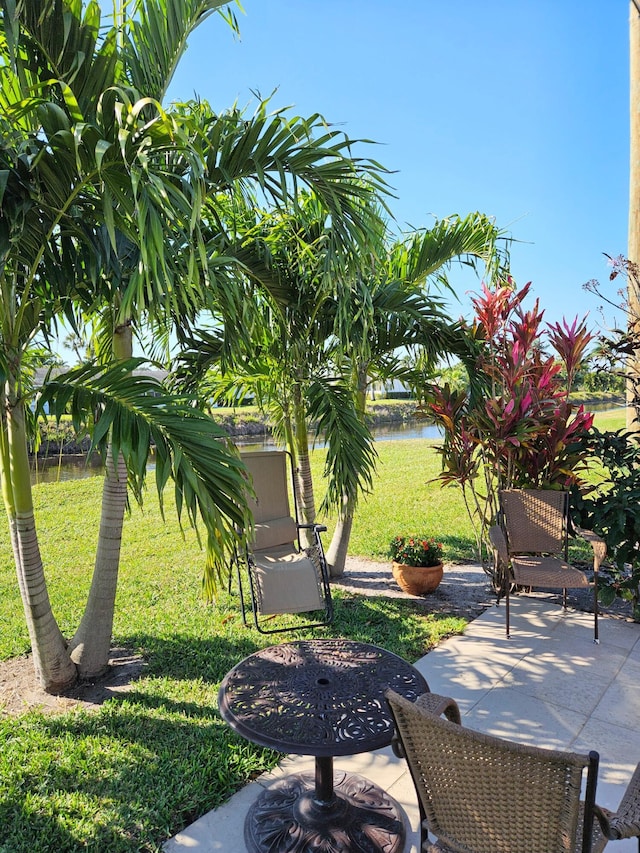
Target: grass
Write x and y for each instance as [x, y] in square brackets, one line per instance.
[131, 774]
[612, 420]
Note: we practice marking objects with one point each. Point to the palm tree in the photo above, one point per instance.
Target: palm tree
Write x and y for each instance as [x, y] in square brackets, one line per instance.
[102, 192]
[78, 155]
[295, 270]
[322, 327]
[390, 310]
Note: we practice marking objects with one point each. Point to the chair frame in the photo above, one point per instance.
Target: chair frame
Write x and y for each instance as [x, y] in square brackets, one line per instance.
[554, 568]
[247, 565]
[419, 729]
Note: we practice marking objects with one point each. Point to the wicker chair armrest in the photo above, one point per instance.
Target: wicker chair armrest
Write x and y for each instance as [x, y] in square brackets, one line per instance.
[499, 542]
[439, 705]
[597, 543]
[624, 823]
[434, 704]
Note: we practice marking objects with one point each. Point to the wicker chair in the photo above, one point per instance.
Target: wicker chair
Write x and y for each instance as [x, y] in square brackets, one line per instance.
[282, 576]
[483, 794]
[625, 823]
[531, 542]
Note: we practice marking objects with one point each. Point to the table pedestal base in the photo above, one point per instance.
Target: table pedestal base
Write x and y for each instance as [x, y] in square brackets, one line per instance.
[358, 818]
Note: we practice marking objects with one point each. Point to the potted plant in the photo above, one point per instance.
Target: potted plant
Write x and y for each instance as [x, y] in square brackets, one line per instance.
[416, 563]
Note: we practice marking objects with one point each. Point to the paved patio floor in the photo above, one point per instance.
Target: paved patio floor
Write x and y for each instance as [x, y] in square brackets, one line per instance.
[549, 685]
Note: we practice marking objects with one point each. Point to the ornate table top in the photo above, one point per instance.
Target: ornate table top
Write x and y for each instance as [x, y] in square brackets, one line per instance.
[317, 697]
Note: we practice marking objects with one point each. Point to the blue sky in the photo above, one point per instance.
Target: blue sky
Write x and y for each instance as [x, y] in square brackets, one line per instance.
[516, 108]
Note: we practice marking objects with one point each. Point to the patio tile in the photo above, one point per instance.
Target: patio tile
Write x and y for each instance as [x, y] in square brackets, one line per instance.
[565, 679]
[605, 656]
[510, 713]
[404, 793]
[619, 632]
[634, 652]
[381, 764]
[619, 749]
[490, 658]
[630, 670]
[221, 829]
[620, 704]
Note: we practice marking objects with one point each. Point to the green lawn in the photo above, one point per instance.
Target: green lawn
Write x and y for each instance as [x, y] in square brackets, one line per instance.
[131, 774]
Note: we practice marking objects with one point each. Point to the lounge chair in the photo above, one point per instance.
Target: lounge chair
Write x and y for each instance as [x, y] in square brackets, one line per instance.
[531, 543]
[282, 576]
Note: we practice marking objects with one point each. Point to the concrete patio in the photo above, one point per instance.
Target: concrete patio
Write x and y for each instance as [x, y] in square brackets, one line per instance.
[549, 685]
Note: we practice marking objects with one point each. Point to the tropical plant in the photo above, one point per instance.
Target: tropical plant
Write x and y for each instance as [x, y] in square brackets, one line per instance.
[611, 510]
[516, 428]
[102, 193]
[84, 173]
[619, 349]
[325, 325]
[612, 507]
[416, 550]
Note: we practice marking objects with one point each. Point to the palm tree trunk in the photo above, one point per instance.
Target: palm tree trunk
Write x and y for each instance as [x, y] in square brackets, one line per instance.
[54, 669]
[91, 643]
[304, 482]
[339, 547]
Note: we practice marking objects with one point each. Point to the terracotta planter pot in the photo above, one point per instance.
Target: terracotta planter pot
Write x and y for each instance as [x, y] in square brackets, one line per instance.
[417, 580]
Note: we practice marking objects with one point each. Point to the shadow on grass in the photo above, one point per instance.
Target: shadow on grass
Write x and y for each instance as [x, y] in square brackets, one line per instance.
[398, 625]
[146, 764]
[122, 779]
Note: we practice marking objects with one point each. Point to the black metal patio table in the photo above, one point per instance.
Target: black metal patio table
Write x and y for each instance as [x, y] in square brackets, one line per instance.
[323, 698]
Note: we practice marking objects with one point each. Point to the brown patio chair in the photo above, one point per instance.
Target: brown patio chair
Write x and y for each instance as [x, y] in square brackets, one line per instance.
[531, 543]
[282, 576]
[625, 823]
[482, 794]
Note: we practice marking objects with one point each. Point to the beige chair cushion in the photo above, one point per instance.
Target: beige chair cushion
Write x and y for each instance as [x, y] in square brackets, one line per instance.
[286, 583]
[277, 531]
[268, 471]
[547, 573]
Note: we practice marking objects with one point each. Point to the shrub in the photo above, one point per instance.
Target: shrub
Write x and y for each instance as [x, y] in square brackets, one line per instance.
[515, 426]
[415, 550]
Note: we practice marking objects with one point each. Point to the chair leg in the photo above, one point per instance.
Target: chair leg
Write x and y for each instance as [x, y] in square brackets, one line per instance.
[506, 604]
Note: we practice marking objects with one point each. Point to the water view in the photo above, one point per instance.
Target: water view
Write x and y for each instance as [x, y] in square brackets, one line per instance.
[55, 469]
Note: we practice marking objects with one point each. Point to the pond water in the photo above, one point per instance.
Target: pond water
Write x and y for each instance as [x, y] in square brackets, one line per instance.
[55, 469]
[391, 432]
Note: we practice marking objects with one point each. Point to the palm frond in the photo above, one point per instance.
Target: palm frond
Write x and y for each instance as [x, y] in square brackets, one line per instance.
[133, 413]
[466, 239]
[351, 455]
[155, 39]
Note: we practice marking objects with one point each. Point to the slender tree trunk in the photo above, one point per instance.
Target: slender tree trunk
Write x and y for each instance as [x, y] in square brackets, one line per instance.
[339, 547]
[54, 669]
[633, 247]
[91, 643]
[304, 482]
